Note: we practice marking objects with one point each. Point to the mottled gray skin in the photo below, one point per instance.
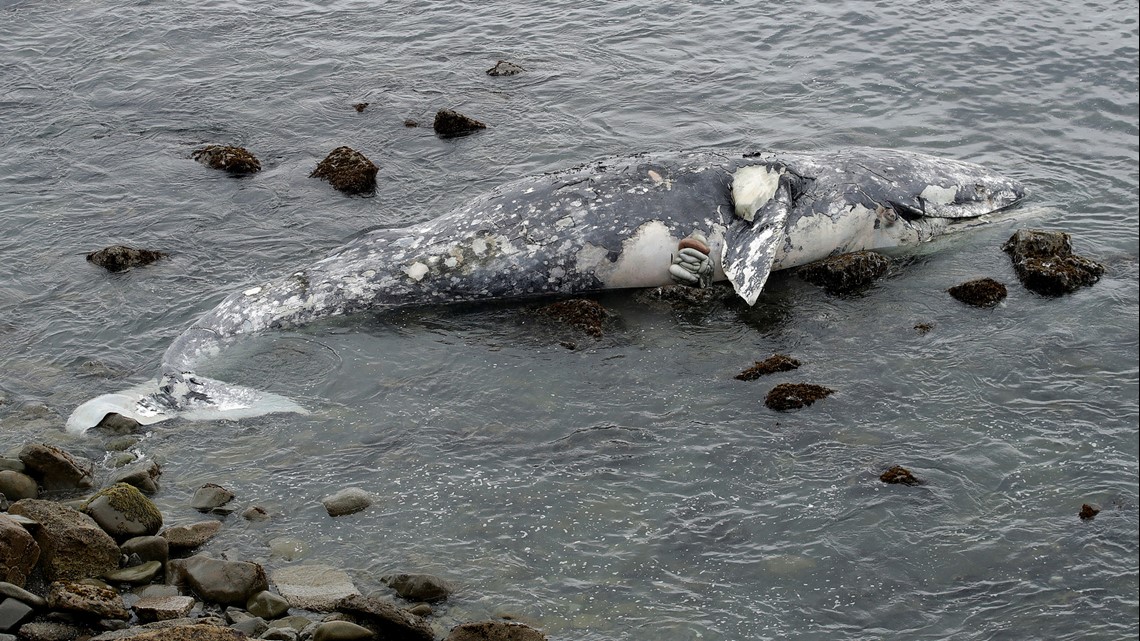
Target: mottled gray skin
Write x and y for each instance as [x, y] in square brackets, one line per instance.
[606, 225]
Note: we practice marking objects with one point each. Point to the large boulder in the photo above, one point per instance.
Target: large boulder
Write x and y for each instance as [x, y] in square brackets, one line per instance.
[218, 581]
[1045, 262]
[846, 273]
[56, 469]
[18, 552]
[72, 545]
[124, 512]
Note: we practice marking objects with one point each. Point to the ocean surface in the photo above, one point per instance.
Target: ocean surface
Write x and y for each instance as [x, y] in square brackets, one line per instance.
[628, 489]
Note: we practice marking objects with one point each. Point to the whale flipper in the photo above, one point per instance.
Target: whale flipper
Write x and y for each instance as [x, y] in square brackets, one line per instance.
[191, 397]
[753, 239]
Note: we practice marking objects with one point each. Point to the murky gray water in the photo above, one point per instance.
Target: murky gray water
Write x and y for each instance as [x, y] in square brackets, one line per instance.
[630, 489]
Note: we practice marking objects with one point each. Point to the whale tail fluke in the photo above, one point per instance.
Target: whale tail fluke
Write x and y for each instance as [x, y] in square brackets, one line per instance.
[187, 396]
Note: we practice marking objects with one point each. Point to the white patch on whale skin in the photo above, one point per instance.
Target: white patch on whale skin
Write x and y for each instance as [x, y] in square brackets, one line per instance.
[643, 262]
[416, 271]
[939, 195]
[752, 188]
[252, 291]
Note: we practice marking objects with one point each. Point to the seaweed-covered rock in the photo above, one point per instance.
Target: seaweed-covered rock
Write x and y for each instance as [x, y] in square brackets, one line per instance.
[360, 107]
[235, 160]
[1045, 262]
[123, 512]
[55, 468]
[72, 545]
[494, 631]
[899, 475]
[982, 292]
[451, 124]
[791, 396]
[117, 258]
[771, 365]
[504, 68]
[18, 552]
[348, 170]
[846, 273]
[1088, 512]
[580, 313]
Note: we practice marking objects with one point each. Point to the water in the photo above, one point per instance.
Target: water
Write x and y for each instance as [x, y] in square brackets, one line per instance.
[629, 489]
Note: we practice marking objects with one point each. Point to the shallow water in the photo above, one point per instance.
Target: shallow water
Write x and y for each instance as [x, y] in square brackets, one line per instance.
[628, 489]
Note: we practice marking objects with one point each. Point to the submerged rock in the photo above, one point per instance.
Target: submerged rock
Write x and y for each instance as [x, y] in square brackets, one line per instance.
[846, 273]
[1045, 262]
[419, 587]
[580, 313]
[451, 124]
[210, 496]
[772, 364]
[347, 501]
[791, 396]
[348, 171]
[118, 258]
[504, 68]
[899, 475]
[235, 160]
[983, 292]
[390, 621]
[360, 107]
[494, 631]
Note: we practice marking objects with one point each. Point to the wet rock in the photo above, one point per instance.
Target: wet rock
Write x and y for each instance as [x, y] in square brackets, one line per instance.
[899, 475]
[790, 396]
[1088, 512]
[181, 538]
[163, 608]
[287, 548]
[147, 548]
[685, 296]
[452, 124]
[360, 107]
[196, 630]
[411, 123]
[235, 160]
[124, 512]
[255, 513]
[118, 258]
[1045, 262]
[56, 469]
[136, 574]
[347, 501]
[86, 600]
[114, 423]
[341, 631]
[388, 620]
[348, 171]
[771, 365]
[580, 313]
[846, 273]
[17, 485]
[142, 475]
[504, 68]
[983, 292]
[280, 634]
[13, 613]
[494, 631]
[12, 591]
[218, 581]
[72, 545]
[267, 605]
[419, 587]
[313, 586]
[210, 496]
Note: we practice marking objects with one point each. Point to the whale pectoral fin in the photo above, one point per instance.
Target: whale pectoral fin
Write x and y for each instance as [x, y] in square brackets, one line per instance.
[750, 248]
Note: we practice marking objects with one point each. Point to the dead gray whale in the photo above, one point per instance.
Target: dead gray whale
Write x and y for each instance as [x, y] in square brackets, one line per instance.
[609, 224]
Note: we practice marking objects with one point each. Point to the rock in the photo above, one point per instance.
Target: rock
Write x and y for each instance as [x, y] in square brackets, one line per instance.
[347, 501]
[347, 170]
[411, 123]
[147, 548]
[210, 496]
[13, 613]
[52, 631]
[267, 605]
[790, 396]
[983, 292]
[187, 537]
[923, 328]
[313, 587]
[504, 68]
[13, 591]
[117, 423]
[143, 475]
[187, 631]
[163, 608]
[136, 574]
[72, 545]
[420, 610]
[1088, 512]
[580, 313]
[341, 631]
[389, 621]
[1045, 262]
[280, 634]
[124, 512]
[87, 600]
[683, 296]
[56, 470]
[217, 581]
[19, 552]
[253, 626]
[360, 107]
[494, 631]
[255, 513]
[117, 258]
[846, 273]
[287, 548]
[771, 365]
[17, 485]
[451, 124]
[235, 160]
[419, 587]
[900, 475]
